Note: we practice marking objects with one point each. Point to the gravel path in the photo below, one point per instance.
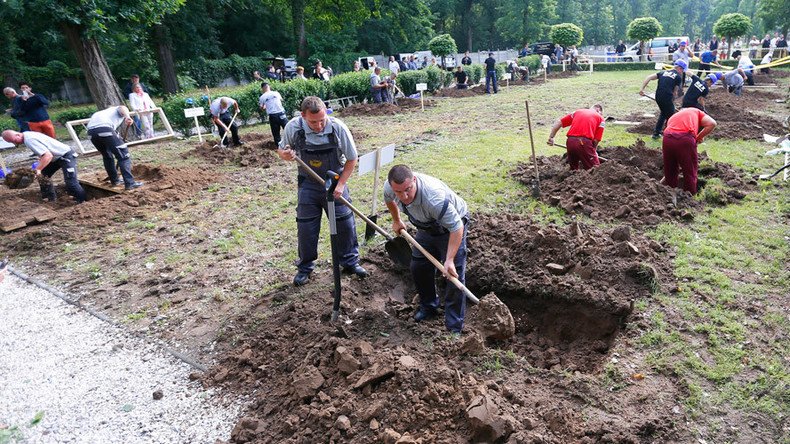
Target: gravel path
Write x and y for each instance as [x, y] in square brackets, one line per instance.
[92, 381]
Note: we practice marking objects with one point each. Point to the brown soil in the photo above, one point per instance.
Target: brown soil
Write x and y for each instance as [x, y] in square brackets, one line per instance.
[732, 114]
[626, 187]
[376, 376]
[20, 178]
[455, 92]
[256, 152]
[383, 109]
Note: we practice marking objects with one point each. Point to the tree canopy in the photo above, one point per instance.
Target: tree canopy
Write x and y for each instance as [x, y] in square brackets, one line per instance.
[566, 34]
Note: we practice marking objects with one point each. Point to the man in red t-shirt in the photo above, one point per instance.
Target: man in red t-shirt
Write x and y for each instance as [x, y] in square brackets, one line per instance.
[583, 136]
[680, 146]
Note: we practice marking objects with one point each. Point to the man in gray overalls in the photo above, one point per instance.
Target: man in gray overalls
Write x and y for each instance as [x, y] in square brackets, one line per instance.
[324, 143]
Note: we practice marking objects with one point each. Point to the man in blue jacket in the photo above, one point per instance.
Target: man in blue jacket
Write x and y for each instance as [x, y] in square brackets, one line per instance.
[705, 59]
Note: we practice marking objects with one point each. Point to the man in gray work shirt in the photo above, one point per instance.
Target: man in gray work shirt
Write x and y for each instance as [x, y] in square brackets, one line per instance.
[324, 143]
[53, 155]
[440, 217]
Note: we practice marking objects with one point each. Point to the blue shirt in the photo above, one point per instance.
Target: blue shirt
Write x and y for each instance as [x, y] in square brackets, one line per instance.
[34, 108]
[707, 57]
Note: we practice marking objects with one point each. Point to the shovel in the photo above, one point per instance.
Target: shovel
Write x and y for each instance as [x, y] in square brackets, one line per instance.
[469, 295]
[536, 188]
[222, 141]
[397, 248]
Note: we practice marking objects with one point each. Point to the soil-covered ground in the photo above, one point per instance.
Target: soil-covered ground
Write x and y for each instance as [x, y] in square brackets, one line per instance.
[737, 117]
[384, 109]
[376, 376]
[256, 152]
[627, 186]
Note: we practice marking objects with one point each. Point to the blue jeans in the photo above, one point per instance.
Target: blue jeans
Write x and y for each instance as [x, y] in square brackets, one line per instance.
[311, 204]
[423, 272]
[490, 75]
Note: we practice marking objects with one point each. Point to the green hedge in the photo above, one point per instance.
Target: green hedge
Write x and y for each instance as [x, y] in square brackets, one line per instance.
[247, 96]
[435, 78]
[532, 62]
[73, 113]
[355, 84]
[212, 72]
[624, 66]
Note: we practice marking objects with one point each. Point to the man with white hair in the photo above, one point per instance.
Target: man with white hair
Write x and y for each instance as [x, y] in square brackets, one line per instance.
[16, 108]
[53, 155]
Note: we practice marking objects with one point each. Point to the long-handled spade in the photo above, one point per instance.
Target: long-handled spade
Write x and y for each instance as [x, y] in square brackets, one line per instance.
[370, 232]
[222, 141]
[329, 187]
[536, 188]
[397, 248]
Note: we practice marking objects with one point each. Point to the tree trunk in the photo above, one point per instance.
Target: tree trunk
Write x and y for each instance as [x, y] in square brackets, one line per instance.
[468, 23]
[101, 84]
[729, 48]
[164, 59]
[300, 37]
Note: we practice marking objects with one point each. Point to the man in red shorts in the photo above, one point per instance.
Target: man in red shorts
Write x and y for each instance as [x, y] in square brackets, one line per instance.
[586, 131]
[680, 146]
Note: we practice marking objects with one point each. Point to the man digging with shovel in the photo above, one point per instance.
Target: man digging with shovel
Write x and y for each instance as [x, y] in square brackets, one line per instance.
[586, 131]
[324, 144]
[441, 218]
[220, 115]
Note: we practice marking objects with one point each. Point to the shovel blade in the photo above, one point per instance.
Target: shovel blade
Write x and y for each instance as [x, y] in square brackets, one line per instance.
[370, 232]
[399, 251]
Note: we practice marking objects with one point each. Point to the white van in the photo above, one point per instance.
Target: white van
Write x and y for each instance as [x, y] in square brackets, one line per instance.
[659, 47]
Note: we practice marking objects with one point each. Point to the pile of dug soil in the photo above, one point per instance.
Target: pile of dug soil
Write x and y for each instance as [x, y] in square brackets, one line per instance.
[250, 154]
[379, 377]
[20, 178]
[626, 187]
[732, 114]
[455, 92]
[384, 109]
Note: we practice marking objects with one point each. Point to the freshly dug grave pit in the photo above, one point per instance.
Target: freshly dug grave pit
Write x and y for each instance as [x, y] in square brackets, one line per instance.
[377, 376]
[570, 289]
[626, 187]
[732, 113]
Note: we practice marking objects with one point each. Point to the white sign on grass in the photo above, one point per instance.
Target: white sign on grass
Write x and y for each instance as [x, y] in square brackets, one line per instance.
[659, 66]
[506, 76]
[194, 112]
[422, 87]
[367, 163]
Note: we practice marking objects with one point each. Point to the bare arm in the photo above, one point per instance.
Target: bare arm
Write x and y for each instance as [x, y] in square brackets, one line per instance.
[708, 124]
[397, 223]
[453, 244]
[554, 128]
[647, 80]
[43, 161]
[348, 170]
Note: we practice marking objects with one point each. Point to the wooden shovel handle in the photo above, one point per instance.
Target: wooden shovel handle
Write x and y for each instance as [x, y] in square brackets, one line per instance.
[342, 199]
[469, 295]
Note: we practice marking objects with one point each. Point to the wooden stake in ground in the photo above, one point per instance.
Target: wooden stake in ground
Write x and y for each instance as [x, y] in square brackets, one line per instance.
[536, 188]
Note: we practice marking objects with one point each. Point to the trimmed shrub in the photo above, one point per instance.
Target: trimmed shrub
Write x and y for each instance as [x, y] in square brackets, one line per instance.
[475, 72]
[531, 61]
[566, 34]
[356, 84]
[73, 113]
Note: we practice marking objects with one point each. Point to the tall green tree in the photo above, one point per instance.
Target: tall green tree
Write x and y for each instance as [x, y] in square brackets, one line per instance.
[775, 14]
[528, 20]
[83, 23]
[598, 21]
[644, 29]
[732, 26]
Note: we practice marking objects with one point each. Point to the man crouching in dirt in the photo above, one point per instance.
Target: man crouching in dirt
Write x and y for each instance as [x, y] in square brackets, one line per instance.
[101, 128]
[53, 155]
[441, 218]
[324, 143]
[680, 146]
[586, 132]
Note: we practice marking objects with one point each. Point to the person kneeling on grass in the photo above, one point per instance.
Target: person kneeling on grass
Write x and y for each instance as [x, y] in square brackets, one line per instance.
[586, 131]
[679, 146]
[461, 78]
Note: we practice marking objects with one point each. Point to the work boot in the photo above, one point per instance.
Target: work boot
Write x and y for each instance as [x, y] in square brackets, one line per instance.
[239, 143]
[424, 314]
[357, 270]
[656, 136]
[133, 185]
[301, 278]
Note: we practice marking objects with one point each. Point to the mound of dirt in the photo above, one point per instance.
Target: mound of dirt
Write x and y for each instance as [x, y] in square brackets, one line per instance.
[20, 178]
[384, 109]
[455, 92]
[376, 376]
[732, 114]
[626, 186]
[248, 155]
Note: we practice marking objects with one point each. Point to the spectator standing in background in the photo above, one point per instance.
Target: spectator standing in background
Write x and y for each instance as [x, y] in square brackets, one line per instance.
[134, 80]
[142, 103]
[466, 60]
[753, 45]
[16, 108]
[490, 63]
[393, 65]
[34, 108]
[781, 47]
[714, 44]
[620, 50]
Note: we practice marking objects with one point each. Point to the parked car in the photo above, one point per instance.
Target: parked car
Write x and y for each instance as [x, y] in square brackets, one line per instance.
[542, 48]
